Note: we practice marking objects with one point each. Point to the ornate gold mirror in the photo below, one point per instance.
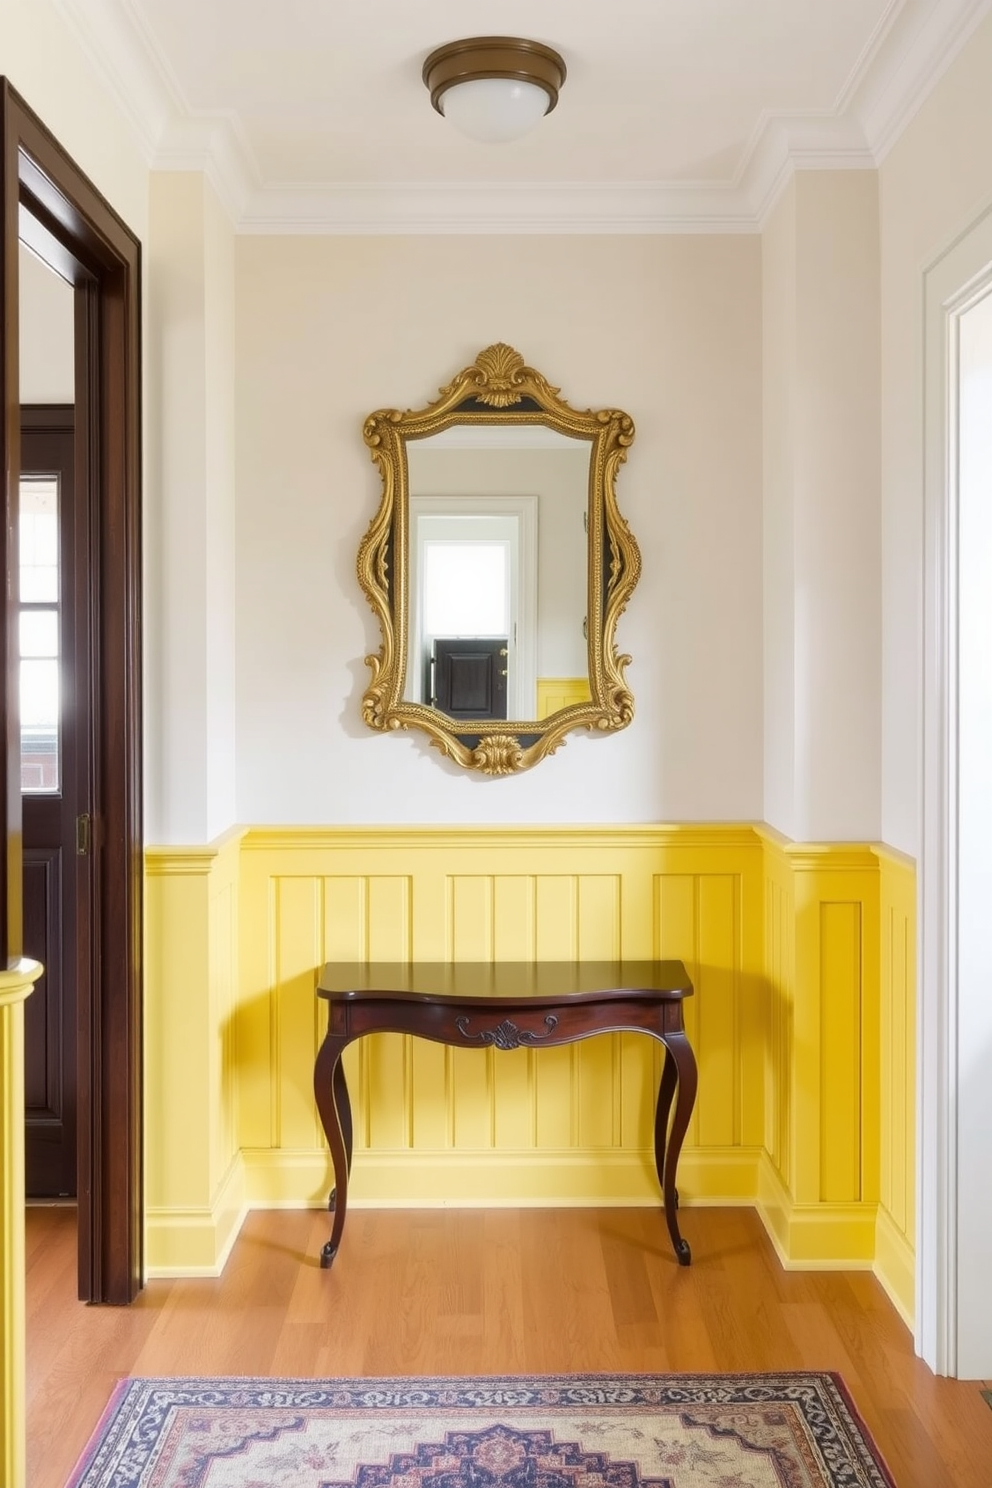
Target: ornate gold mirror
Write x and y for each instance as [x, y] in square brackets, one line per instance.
[498, 564]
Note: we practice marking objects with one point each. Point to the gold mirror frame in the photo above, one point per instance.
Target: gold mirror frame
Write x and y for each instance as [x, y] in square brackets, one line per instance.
[499, 388]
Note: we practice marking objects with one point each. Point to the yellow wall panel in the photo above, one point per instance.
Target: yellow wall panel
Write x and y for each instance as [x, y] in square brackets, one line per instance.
[556, 917]
[840, 1053]
[252, 1029]
[471, 900]
[223, 1060]
[597, 1092]
[389, 918]
[554, 1094]
[385, 1090]
[675, 920]
[835, 1028]
[897, 1072]
[599, 912]
[640, 1060]
[780, 985]
[897, 991]
[514, 913]
[430, 1124]
[716, 1003]
[345, 928]
[514, 1108]
[178, 1037]
[193, 1198]
[471, 1097]
[296, 932]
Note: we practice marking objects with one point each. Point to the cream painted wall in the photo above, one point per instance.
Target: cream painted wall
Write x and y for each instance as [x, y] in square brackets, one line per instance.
[190, 513]
[933, 184]
[668, 329]
[46, 333]
[221, 381]
[778, 250]
[822, 530]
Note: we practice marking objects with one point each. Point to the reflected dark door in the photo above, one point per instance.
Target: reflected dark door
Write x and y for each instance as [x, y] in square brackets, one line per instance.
[48, 789]
[470, 678]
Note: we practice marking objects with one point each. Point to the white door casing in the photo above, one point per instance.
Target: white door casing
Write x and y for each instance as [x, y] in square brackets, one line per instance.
[954, 1025]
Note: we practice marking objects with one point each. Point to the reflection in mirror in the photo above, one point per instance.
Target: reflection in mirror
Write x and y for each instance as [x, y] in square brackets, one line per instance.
[497, 549]
[498, 565]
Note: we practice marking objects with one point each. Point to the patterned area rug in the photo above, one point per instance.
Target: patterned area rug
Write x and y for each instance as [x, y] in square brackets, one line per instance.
[580, 1431]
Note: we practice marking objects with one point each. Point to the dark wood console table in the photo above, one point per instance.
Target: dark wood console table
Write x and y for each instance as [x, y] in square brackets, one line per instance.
[508, 1005]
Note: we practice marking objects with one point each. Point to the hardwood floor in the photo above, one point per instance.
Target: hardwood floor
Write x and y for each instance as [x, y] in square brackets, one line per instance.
[491, 1292]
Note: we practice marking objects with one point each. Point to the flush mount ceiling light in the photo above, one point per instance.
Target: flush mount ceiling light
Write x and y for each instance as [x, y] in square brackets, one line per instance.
[494, 88]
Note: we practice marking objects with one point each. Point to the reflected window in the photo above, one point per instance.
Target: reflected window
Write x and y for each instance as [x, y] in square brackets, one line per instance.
[38, 629]
[466, 588]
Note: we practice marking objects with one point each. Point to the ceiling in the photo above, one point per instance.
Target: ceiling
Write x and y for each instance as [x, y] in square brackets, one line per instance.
[310, 115]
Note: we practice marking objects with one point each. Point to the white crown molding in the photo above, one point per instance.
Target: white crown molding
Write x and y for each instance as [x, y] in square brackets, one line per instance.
[213, 145]
[908, 67]
[895, 11]
[168, 133]
[112, 46]
[783, 145]
[911, 47]
[618, 207]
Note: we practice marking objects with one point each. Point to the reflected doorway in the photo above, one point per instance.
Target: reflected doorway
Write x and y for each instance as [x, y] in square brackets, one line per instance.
[473, 605]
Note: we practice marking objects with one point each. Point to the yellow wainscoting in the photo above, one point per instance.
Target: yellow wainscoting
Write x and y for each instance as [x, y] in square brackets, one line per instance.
[818, 1189]
[802, 961]
[435, 1125]
[194, 1193]
[554, 693]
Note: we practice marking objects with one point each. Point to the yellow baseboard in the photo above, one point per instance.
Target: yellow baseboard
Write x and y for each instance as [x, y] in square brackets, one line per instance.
[197, 1242]
[806, 1237]
[503, 1179]
[814, 1237]
[895, 1265]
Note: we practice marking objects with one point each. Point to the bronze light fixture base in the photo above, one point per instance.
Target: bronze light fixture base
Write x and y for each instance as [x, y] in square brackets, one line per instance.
[493, 57]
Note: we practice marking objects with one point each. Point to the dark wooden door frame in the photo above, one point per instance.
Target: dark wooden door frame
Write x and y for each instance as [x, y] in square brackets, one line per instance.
[49, 204]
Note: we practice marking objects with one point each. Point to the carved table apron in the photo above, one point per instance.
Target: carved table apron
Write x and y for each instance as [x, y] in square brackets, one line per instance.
[507, 1005]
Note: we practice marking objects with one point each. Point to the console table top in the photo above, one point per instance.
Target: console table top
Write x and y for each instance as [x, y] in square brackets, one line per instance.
[494, 983]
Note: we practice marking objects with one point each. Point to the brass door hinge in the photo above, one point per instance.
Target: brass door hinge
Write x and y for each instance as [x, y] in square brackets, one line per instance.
[84, 835]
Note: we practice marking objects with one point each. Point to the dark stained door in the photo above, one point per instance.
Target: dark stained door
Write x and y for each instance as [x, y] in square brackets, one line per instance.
[49, 794]
[470, 678]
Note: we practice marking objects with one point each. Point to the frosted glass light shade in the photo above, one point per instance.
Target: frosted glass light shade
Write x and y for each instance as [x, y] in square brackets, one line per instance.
[494, 88]
[495, 110]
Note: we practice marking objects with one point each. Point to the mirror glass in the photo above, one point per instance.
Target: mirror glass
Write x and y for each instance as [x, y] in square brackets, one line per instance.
[498, 571]
[498, 565]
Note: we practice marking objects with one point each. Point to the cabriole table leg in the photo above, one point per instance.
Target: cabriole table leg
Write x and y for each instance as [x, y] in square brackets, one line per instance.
[679, 1074]
[333, 1104]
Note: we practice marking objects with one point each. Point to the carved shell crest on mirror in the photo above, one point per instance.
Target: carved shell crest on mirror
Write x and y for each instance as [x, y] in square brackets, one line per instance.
[498, 565]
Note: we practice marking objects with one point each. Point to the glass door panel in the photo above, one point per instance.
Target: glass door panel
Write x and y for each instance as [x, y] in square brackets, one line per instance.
[39, 635]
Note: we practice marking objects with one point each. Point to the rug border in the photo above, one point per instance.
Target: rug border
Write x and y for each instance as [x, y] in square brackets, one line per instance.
[862, 1425]
[86, 1456]
[141, 1383]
